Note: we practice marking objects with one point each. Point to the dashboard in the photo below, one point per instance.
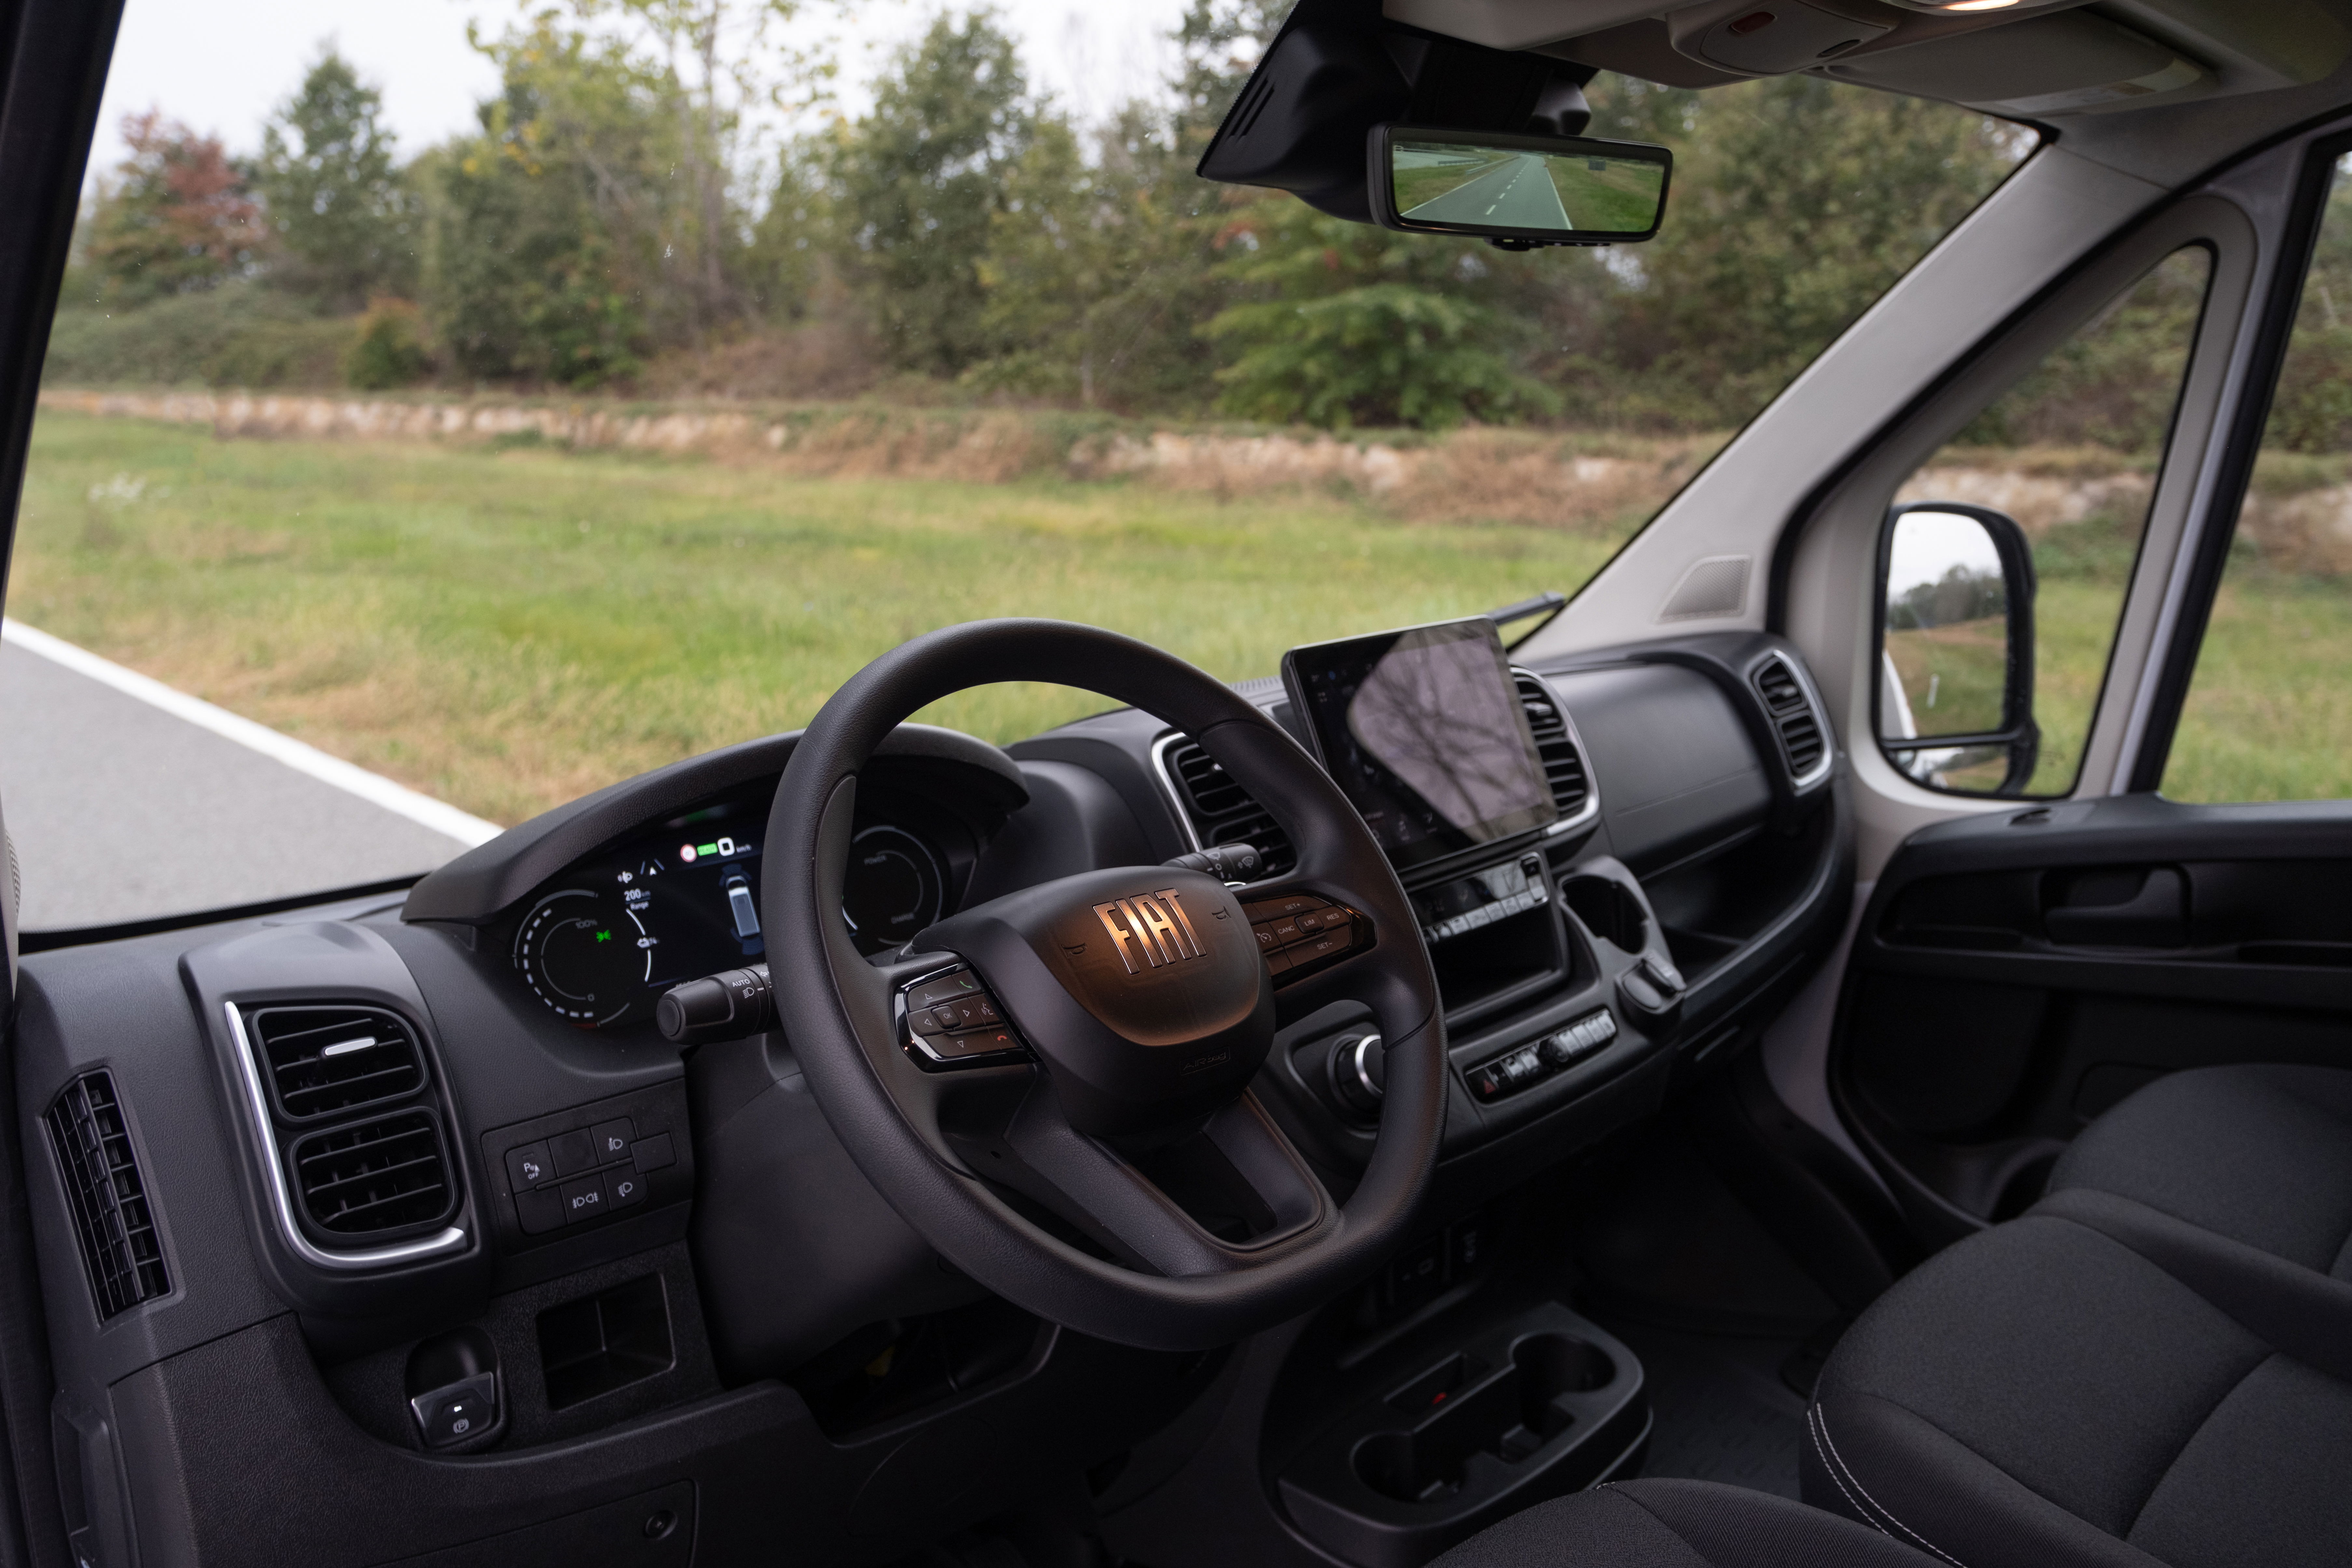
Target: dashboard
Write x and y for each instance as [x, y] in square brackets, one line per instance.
[635, 1243]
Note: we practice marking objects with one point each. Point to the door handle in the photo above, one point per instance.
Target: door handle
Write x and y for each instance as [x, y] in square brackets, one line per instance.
[2144, 906]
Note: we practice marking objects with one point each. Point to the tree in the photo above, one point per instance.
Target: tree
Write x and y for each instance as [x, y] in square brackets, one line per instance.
[345, 220]
[177, 218]
[1346, 324]
[548, 232]
[918, 180]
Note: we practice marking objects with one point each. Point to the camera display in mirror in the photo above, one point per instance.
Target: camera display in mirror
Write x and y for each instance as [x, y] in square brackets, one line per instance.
[1955, 653]
[1517, 191]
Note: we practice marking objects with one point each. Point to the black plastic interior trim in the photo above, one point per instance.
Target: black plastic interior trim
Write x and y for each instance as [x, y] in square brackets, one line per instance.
[84, 936]
[2178, 659]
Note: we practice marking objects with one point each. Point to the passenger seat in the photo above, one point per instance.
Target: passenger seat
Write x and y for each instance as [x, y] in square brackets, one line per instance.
[2154, 1366]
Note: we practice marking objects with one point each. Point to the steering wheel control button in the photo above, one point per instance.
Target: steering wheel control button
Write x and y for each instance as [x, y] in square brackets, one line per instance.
[540, 1210]
[612, 1139]
[963, 1027]
[943, 988]
[1298, 930]
[653, 1152]
[528, 1166]
[574, 1153]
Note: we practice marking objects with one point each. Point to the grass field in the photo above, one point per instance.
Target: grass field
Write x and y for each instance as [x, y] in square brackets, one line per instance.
[509, 629]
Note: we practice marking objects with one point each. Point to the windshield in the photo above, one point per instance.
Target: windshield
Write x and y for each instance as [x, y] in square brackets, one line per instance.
[454, 408]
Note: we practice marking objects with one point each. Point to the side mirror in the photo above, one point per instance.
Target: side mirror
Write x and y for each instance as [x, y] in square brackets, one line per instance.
[1956, 647]
[1516, 192]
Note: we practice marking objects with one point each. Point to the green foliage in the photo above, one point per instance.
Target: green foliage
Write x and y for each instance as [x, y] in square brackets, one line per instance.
[919, 181]
[389, 348]
[239, 334]
[544, 243]
[1343, 324]
[2312, 410]
[345, 221]
[2114, 384]
[175, 219]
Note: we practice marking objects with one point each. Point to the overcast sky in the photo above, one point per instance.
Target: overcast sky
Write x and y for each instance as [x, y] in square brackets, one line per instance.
[221, 65]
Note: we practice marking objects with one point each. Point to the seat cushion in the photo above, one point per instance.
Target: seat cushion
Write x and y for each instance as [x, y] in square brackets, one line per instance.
[2259, 1154]
[1678, 1524]
[2045, 1393]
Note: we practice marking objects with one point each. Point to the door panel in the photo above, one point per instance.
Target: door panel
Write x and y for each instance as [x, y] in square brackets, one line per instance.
[2016, 975]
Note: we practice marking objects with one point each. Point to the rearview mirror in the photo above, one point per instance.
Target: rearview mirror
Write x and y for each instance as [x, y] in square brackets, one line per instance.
[1956, 650]
[1519, 192]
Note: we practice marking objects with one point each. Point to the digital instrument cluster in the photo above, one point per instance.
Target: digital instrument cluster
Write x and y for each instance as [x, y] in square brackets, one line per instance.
[682, 900]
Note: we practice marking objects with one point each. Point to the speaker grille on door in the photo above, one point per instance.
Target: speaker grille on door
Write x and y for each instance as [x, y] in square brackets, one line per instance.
[107, 1195]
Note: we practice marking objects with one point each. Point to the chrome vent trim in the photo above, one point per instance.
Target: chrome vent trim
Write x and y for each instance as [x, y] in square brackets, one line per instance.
[1568, 767]
[451, 1238]
[107, 1195]
[1803, 729]
[1213, 807]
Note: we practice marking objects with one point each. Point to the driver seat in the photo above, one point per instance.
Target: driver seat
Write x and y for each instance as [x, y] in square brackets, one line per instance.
[1679, 1524]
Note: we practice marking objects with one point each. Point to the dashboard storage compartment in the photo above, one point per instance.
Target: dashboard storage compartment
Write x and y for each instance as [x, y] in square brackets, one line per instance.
[1544, 1405]
[605, 1341]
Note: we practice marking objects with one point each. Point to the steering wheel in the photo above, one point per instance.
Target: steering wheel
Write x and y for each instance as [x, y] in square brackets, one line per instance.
[1092, 1151]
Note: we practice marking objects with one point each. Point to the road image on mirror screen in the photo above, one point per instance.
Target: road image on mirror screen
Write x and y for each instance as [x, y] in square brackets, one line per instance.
[1433, 714]
[1446, 182]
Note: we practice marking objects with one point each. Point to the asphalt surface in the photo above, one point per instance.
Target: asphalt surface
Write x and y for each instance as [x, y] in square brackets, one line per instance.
[1519, 195]
[123, 810]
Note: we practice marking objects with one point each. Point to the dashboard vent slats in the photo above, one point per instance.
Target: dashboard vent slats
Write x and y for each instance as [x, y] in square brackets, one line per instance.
[319, 1061]
[1221, 811]
[1571, 784]
[1802, 738]
[388, 1174]
[107, 1194]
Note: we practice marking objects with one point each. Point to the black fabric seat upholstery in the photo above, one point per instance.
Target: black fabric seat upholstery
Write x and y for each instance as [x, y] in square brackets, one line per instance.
[2262, 1155]
[1678, 1524]
[2152, 1366]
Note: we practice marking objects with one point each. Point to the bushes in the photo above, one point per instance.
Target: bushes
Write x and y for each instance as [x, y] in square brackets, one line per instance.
[239, 334]
[388, 347]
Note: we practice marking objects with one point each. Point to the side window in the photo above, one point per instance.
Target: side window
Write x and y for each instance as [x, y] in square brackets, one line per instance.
[2008, 553]
[2269, 716]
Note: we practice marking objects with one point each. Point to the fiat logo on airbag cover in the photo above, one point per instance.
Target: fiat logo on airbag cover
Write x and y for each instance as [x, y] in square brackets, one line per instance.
[1152, 927]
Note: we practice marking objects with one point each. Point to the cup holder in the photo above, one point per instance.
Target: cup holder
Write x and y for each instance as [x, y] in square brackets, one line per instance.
[1610, 910]
[1509, 1415]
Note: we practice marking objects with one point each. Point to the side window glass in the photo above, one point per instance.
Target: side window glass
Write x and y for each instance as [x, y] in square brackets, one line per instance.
[2268, 717]
[2007, 556]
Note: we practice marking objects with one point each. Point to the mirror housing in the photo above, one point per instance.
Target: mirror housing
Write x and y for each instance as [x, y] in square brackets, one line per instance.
[1516, 191]
[1946, 569]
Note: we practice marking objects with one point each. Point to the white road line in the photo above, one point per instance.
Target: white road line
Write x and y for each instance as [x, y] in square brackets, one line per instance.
[422, 809]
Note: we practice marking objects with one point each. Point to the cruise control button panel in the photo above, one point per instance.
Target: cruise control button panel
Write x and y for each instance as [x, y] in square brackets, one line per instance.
[949, 1021]
[1299, 931]
[578, 1169]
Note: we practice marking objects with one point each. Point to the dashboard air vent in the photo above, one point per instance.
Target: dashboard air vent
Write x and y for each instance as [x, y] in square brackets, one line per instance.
[1802, 736]
[322, 1060]
[1571, 786]
[388, 1174]
[109, 1199]
[1220, 810]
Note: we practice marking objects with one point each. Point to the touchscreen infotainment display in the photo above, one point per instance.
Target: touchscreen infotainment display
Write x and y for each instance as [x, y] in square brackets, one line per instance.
[1423, 732]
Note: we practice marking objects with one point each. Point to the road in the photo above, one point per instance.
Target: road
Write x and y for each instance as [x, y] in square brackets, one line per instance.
[1519, 195]
[127, 800]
